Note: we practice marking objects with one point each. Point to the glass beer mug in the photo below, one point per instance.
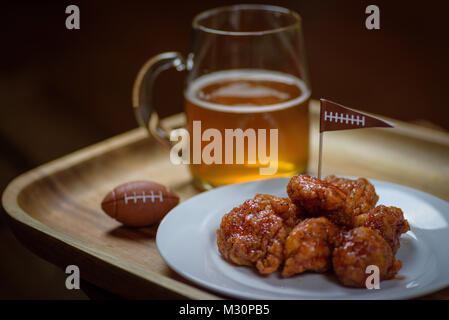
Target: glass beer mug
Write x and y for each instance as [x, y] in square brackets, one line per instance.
[246, 80]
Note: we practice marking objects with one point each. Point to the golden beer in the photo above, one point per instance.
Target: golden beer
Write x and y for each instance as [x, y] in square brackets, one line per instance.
[250, 99]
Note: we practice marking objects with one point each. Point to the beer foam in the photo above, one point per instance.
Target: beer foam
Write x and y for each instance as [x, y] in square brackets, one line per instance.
[246, 74]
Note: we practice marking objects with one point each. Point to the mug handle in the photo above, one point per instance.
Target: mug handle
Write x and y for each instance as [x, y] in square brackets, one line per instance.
[142, 95]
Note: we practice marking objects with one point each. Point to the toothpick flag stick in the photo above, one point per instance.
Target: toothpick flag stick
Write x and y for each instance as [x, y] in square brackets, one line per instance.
[320, 155]
[334, 116]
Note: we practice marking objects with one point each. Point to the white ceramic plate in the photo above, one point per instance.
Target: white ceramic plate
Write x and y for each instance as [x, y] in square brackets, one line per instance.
[186, 239]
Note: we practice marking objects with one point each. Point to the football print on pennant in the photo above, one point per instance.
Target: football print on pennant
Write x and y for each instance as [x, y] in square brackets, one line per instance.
[337, 117]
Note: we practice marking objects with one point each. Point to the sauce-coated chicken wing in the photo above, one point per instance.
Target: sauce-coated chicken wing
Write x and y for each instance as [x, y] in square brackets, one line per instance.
[359, 248]
[283, 207]
[389, 222]
[318, 198]
[360, 193]
[338, 199]
[254, 233]
[309, 246]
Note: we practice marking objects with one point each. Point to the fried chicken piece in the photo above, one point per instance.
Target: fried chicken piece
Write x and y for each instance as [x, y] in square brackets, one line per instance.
[314, 195]
[253, 234]
[319, 198]
[356, 250]
[389, 222]
[309, 246]
[283, 207]
[360, 194]
[339, 199]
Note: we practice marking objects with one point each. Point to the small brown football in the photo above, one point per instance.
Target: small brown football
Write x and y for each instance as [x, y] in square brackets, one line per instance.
[139, 203]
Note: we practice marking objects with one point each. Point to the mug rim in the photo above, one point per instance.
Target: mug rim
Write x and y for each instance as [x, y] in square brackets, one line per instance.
[262, 7]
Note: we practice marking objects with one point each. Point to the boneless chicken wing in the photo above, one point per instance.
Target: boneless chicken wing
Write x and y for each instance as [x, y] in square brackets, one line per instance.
[389, 222]
[356, 250]
[309, 246]
[253, 234]
[314, 195]
[283, 207]
[338, 199]
[360, 194]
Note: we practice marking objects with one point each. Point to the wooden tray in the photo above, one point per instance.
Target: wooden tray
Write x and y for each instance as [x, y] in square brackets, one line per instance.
[55, 210]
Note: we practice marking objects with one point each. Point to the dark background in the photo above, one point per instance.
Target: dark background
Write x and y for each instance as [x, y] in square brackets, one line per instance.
[62, 89]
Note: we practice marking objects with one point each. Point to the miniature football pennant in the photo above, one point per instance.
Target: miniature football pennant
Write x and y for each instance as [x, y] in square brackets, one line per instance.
[334, 116]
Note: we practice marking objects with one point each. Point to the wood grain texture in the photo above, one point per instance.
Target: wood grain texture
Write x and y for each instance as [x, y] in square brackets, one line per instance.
[55, 209]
